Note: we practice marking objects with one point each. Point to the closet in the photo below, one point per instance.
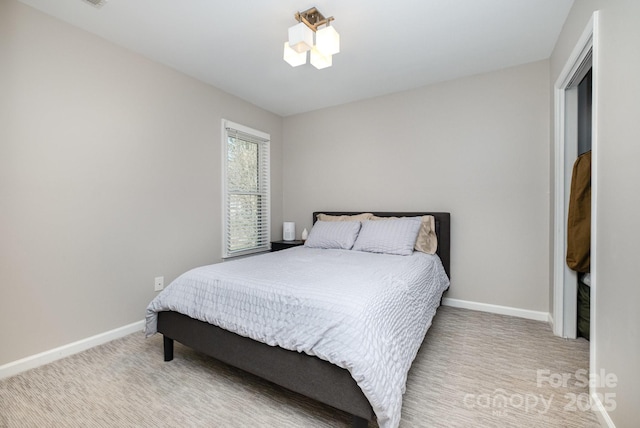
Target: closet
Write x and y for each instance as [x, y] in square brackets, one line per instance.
[579, 216]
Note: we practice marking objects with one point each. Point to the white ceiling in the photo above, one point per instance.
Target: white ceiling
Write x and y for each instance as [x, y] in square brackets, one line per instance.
[386, 46]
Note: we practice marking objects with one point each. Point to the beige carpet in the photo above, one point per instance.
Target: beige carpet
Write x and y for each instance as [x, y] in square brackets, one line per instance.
[474, 370]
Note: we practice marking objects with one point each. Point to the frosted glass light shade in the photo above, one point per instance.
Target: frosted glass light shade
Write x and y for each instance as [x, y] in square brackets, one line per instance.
[292, 57]
[320, 61]
[328, 41]
[300, 37]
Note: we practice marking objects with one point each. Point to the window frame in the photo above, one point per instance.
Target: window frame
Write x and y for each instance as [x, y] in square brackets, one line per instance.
[264, 188]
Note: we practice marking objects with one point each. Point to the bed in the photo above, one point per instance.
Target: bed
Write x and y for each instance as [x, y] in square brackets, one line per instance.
[319, 373]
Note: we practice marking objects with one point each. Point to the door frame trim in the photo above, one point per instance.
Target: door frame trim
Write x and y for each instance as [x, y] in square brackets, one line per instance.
[588, 42]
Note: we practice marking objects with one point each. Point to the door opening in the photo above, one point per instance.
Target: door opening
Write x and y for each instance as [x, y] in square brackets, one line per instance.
[564, 310]
[580, 229]
[570, 136]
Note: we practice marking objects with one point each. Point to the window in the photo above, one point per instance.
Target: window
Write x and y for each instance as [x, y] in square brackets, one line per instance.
[246, 224]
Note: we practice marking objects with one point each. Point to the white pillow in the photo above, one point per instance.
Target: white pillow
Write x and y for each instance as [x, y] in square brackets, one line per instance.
[396, 236]
[427, 240]
[333, 234]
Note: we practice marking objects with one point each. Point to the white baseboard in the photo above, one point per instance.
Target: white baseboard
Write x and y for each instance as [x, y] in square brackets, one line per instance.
[496, 309]
[603, 416]
[33, 361]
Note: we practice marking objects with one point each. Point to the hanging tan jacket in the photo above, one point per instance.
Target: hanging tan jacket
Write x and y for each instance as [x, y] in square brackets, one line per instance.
[579, 219]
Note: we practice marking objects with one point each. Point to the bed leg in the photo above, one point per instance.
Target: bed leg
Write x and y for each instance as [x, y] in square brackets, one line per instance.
[359, 422]
[168, 348]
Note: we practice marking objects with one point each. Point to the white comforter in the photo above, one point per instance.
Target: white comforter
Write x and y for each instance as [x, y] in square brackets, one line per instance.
[367, 313]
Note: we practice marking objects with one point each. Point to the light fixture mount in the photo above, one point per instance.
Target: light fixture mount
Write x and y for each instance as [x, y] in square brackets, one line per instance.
[312, 18]
[96, 3]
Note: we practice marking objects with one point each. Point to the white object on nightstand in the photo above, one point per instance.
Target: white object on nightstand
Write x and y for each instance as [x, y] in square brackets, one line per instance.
[288, 231]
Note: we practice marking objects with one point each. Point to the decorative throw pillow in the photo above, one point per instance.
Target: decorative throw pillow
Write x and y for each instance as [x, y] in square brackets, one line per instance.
[394, 236]
[427, 241]
[333, 234]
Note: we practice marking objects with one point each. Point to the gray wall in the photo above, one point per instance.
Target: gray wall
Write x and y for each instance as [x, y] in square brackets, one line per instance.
[109, 177]
[477, 147]
[618, 209]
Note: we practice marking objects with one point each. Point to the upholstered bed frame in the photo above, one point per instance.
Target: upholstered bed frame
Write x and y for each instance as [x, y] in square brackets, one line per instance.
[299, 372]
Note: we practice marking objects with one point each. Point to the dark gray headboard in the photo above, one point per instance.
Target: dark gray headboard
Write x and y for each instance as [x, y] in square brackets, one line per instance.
[443, 229]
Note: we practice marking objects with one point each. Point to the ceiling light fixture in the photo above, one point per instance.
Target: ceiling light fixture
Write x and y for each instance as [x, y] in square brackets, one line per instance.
[327, 40]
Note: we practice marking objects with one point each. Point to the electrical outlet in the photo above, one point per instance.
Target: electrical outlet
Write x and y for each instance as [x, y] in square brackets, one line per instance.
[158, 283]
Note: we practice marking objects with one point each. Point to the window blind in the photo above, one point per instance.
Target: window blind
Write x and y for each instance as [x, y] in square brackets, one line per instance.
[247, 196]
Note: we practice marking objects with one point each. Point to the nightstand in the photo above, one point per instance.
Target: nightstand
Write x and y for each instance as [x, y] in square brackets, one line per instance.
[283, 245]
